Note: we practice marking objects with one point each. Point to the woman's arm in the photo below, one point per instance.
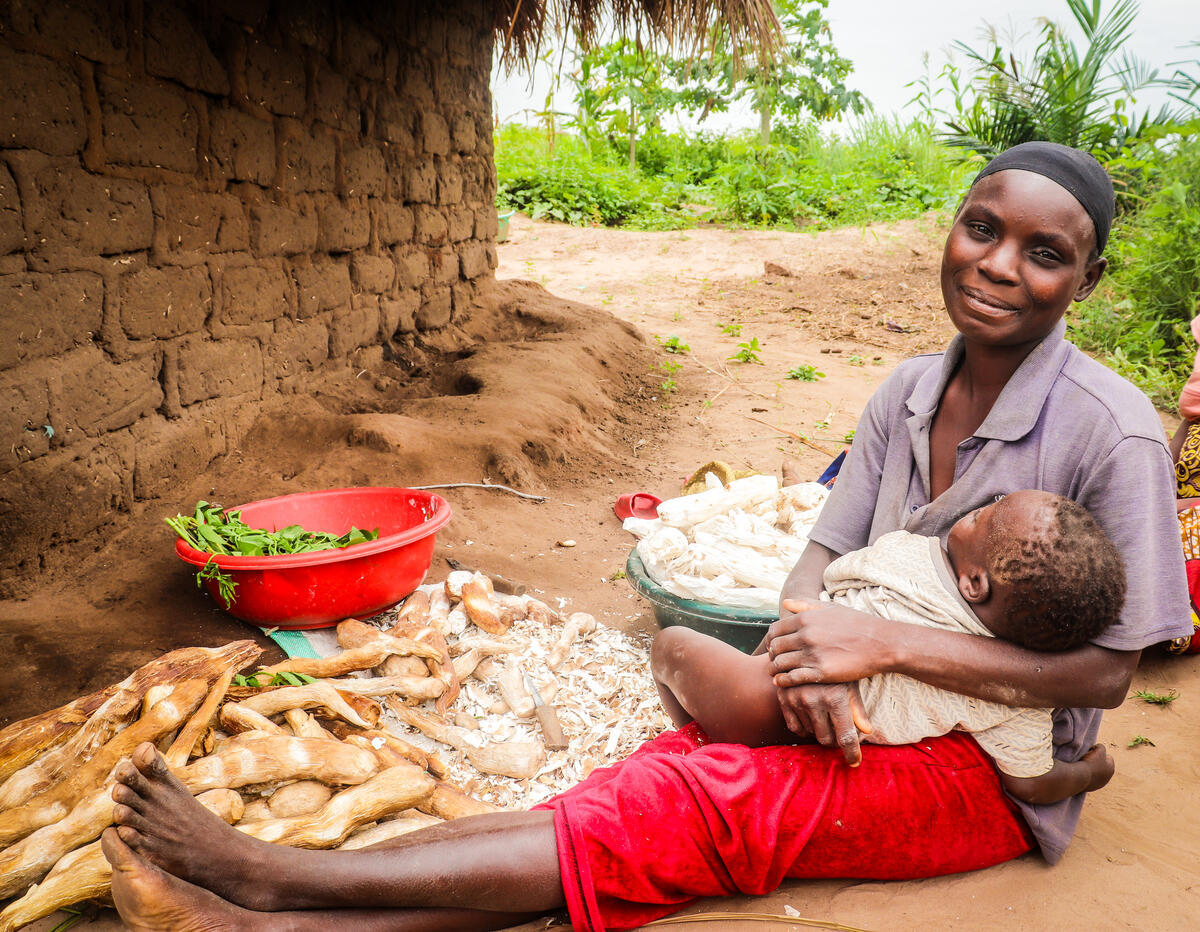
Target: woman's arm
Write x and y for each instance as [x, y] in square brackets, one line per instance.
[829, 643]
[831, 713]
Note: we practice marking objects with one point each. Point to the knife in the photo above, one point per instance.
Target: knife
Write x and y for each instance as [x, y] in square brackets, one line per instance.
[548, 717]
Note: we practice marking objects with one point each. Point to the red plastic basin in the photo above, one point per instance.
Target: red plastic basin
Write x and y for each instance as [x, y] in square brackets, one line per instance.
[316, 590]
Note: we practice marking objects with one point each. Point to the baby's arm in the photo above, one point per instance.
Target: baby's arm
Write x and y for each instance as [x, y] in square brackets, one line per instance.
[1064, 780]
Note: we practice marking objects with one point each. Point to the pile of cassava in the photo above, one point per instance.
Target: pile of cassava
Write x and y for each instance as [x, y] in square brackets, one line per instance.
[323, 764]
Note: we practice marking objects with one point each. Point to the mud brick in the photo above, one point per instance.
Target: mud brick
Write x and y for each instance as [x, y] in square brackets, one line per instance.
[362, 52]
[275, 79]
[460, 222]
[187, 220]
[433, 132]
[297, 346]
[164, 302]
[372, 273]
[41, 107]
[77, 491]
[43, 315]
[321, 287]
[399, 315]
[493, 259]
[394, 121]
[364, 171]
[354, 326]
[333, 103]
[147, 125]
[450, 184]
[414, 85]
[444, 263]
[252, 294]
[247, 12]
[431, 225]
[171, 453]
[434, 310]
[12, 231]
[175, 49]
[422, 183]
[309, 24]
[91, 395]
[72, 211]
[234, 232]
[412, 266]
[96, 28]
[276, 231]
[243, 146]
[465, 296]
[24, 409]
[310, 161]
[486, 223]
[393, 222]
[219, 370]
[345, 225]
[473, 258]
[463, 131]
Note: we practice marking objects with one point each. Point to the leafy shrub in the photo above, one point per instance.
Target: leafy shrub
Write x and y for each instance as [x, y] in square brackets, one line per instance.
[1139, 318]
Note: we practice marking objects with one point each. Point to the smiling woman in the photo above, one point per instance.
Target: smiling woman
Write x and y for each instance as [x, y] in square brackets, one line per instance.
[1010, 405]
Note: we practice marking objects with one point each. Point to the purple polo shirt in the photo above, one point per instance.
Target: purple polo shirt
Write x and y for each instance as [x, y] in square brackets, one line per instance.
[1064, 424]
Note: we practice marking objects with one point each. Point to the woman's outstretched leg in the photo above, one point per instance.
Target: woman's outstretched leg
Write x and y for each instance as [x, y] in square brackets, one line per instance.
[501, 862]
[150, 899]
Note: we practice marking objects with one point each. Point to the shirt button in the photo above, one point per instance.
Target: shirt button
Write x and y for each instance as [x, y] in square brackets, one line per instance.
[914, 508]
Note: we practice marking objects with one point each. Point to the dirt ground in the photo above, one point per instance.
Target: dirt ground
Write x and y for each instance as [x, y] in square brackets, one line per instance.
[572, 405]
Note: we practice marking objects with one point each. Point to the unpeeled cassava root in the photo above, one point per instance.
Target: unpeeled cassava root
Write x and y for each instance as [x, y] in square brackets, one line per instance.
[56, 802]
[23, 742]
[84, 873]
[243, 761]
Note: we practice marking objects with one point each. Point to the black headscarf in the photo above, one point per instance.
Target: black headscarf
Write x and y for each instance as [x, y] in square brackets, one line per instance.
[1076, 171]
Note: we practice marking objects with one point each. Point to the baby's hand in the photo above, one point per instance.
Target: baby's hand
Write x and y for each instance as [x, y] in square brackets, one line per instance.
[1101, 765]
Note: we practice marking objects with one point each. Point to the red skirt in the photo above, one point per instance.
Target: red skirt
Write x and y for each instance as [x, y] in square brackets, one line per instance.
[683, 818]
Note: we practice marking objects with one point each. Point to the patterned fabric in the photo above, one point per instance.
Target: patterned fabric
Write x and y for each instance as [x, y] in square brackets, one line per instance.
[1187, 473]
[1187, 485]
[903, 577]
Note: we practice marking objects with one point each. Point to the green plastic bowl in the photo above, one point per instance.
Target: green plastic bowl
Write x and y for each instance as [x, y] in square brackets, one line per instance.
[742, 628]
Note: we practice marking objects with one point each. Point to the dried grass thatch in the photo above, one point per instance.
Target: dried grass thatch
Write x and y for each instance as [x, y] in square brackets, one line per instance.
[522, 26]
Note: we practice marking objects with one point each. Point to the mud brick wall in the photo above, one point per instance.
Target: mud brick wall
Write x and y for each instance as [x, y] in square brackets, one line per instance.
[203, 202]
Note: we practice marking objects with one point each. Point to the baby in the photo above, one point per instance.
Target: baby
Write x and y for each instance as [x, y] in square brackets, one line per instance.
[1031, 568]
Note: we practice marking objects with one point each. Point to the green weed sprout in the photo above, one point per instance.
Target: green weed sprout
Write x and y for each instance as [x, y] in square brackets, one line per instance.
[733, 330]
[747, 352]
[805, 373]
[673, 344]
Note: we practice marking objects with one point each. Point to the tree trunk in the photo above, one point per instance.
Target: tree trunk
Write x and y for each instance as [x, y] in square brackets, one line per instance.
[764, 126]
[632, 137]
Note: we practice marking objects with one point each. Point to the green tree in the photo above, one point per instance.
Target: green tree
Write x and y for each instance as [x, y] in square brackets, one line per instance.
[619, 90]
[807, 78]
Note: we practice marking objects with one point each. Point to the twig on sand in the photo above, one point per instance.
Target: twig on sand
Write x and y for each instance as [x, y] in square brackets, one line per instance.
[481, 485]
[795, 436]
[726, 375]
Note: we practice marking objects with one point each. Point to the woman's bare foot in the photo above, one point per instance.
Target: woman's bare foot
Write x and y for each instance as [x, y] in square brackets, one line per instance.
[791, 473]
[149, 899]
[159, 820]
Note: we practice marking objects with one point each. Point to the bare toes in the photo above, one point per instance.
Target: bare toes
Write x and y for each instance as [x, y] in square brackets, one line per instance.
[127, 796]
[147, 759]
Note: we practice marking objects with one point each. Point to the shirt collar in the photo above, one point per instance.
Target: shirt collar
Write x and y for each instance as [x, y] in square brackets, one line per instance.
[1020, 404]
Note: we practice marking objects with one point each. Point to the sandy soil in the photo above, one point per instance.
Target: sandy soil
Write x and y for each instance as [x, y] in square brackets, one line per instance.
[571, 405]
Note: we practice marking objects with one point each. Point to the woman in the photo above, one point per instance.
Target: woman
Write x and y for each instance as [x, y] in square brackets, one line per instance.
[1185, 448]
[1010, 405]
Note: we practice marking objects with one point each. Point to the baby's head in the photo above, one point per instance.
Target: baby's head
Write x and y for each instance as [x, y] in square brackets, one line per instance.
[1038, 570]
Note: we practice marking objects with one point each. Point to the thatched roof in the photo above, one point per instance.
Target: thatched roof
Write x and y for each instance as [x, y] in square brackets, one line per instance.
[523, 25]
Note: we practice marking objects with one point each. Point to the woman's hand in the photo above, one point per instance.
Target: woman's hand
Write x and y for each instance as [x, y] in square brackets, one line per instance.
[832, 714]
[820, 642]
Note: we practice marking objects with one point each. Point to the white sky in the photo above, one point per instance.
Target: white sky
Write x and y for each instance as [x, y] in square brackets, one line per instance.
[885, 40]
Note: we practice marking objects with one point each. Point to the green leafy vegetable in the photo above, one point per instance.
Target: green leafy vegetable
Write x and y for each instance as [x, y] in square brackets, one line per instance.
[283, 678]
[213, 530]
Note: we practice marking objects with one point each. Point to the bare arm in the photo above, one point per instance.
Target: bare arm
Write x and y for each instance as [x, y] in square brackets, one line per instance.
[1064, 780]
[834, 644]
[832, 713]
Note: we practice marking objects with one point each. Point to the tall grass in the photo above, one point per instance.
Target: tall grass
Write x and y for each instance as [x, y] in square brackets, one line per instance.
[881, 170]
